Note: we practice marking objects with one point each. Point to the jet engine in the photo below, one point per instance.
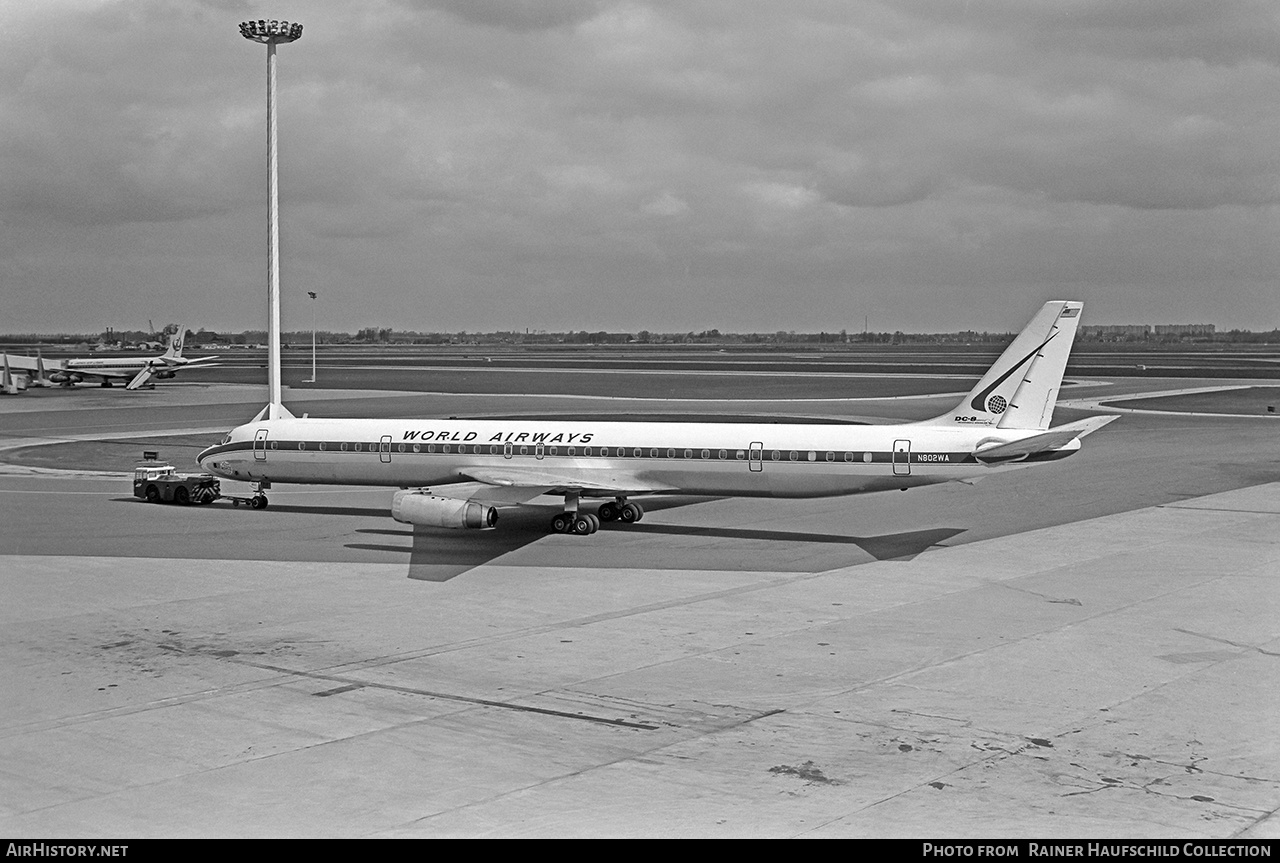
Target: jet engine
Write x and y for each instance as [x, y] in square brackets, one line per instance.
[165, 374]
[415, 507]
[64, 378]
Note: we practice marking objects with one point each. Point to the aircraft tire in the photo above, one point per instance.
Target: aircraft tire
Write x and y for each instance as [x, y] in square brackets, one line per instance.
[631, 513]
[258, 501]
[582, 525]
[608, 512]
[595, 522]
[561, 523]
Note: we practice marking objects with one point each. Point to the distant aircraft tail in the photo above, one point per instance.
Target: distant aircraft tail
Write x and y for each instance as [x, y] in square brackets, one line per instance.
[1020, 390]
[175, 343]
[10, 383]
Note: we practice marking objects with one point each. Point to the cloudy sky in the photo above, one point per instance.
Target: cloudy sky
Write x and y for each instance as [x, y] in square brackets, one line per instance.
[753, 165]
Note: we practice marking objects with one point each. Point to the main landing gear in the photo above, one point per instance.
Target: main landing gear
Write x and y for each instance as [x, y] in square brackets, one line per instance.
[585, 523]
[621, 510]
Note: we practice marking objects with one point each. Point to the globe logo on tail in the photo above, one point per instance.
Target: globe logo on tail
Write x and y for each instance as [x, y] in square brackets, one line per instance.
[997, 404]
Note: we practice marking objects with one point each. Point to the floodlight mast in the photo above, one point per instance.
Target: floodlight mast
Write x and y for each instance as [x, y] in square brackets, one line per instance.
[272, 33]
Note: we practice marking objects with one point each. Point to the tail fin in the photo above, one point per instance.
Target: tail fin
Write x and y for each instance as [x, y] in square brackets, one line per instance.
[1020, 390]
[9, 382]
[175, 342]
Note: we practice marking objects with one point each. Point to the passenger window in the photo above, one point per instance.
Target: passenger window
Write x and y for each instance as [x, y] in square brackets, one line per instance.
[775, 455]
[688, 453]
[573, 450]
[723, 454]
[831, 456]
[866, 457]
[706, 453]
[554, 450]
[524, 450]
[813, 456]
[671, 453]
[586, 450]
[741, 455]
[416, 447]
[321, 445]
[653, 453]
[343, 447]
[794, 455]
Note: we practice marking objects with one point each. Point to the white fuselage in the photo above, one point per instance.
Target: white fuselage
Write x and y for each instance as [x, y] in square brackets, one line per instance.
[113, 367]
[753, 460]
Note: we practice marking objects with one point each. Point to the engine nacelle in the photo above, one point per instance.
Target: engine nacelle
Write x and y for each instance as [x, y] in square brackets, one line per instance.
[64, 378]
[415, 507]
[165, 374]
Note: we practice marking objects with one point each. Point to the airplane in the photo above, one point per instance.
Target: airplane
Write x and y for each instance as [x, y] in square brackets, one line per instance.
[33, 372]
[458, 473]
[139, 370]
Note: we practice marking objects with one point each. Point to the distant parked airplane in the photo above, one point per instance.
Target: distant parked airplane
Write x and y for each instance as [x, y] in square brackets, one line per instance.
[139, 370]
[476, 466]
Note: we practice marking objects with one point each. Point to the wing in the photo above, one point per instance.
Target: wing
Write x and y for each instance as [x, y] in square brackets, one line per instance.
[1050, 440]
[590, 481]
[508, 486]
[140, 378]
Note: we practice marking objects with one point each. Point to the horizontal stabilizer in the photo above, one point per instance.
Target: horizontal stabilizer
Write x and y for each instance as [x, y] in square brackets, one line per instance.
[188, 363]
[586, 480]
[1050, 440]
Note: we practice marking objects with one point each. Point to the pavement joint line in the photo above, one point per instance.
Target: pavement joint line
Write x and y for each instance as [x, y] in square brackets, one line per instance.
[1226, 641]
[1216, 509]
[466, 699]
[130, 709]
[542, 629]
[602, 765]
[902, 674]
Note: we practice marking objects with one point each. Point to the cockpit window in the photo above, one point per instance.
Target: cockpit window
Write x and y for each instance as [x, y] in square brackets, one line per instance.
[226, 439]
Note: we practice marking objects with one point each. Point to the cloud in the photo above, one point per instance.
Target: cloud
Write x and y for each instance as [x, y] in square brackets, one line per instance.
[650, 155]
[515, 15]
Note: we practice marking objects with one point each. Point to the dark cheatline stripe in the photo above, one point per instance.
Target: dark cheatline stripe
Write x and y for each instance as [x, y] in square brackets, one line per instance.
[678, 453]
[979, 402]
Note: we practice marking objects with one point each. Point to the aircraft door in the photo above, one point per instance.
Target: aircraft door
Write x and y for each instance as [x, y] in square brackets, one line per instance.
[384, 449]
[260, 445]
[755, 456]
[902, 458]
